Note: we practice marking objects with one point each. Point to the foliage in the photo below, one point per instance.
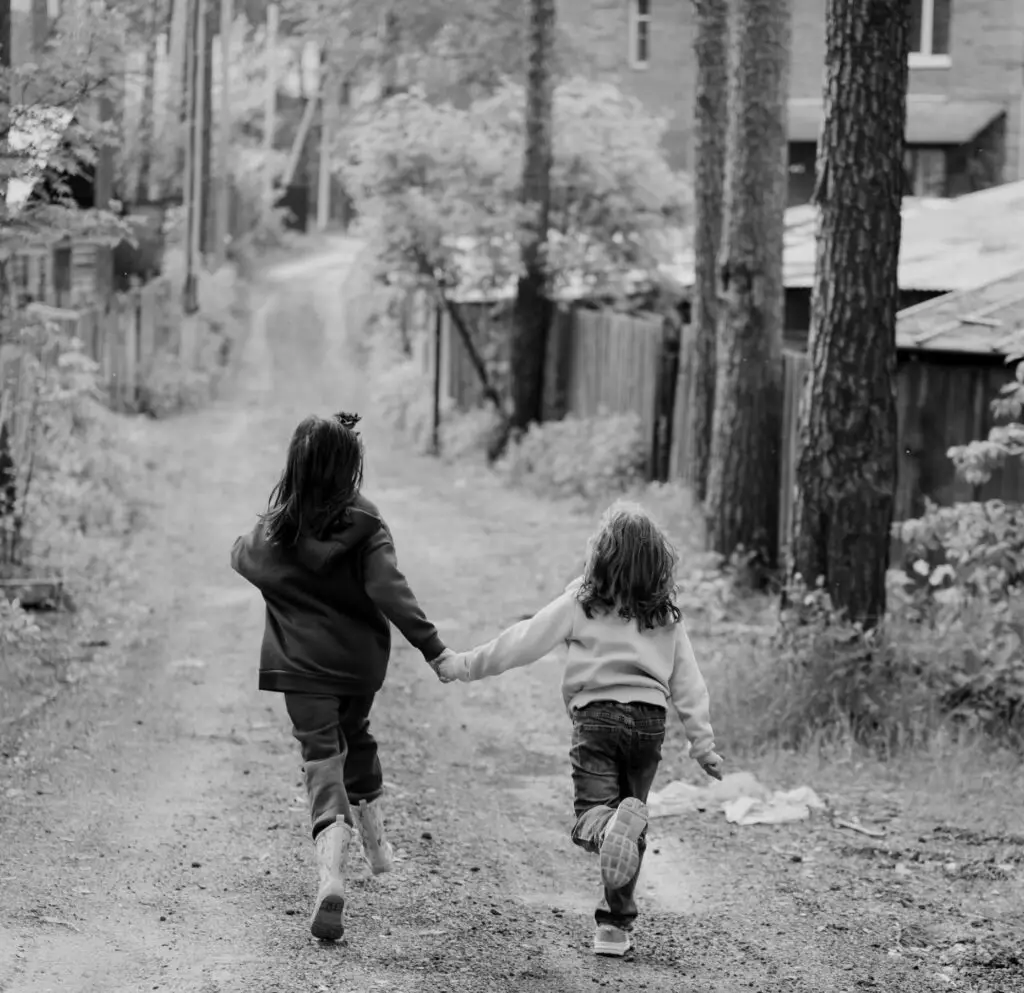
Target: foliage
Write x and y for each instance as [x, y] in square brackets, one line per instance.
[444, 185]
[170, 385]
[959, 601]
[71, 472]
[578, 457]
[51, 130]
[977, 460]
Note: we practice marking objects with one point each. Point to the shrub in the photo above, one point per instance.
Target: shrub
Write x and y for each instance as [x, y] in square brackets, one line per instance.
[826, 678]
[957, 603]
[578, 457]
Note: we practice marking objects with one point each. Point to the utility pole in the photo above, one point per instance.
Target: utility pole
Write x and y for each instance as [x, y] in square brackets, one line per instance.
[224, 135]
[270, 105]
[199, 146]
[207, 233]
[190, 301]
[328, 103]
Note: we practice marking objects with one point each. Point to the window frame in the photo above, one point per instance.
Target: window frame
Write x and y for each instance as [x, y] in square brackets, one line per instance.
[926, 58]
[635, 20]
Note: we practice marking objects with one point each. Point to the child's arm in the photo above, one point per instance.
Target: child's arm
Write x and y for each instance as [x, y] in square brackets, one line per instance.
[690, 697]
[389, 590]
[522, 643]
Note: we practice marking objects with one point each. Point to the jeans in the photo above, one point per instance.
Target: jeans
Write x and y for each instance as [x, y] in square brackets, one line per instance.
[339, 754]
[616, 748]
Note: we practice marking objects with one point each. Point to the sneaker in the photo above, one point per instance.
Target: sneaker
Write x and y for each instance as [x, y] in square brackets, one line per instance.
[620, 856]
[611, 940]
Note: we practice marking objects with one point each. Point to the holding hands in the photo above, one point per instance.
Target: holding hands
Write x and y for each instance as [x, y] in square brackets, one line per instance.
[450, 666]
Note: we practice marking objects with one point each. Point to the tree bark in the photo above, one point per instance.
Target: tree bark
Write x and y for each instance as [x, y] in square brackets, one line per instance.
[743, 478]
[533, 310]
[711, 49]
[846, 470]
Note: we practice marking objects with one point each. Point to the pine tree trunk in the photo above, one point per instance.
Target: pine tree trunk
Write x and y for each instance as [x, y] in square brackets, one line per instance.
[532, 307]
[846, 471]
[711, 49]
[743, 478]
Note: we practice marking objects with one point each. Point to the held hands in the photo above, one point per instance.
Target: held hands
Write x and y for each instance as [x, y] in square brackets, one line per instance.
[712, 764]
[449, 666]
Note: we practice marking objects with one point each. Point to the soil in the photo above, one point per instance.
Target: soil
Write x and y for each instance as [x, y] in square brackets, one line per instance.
[153, 827]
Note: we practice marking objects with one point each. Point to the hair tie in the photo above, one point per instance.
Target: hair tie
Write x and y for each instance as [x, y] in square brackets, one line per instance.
[347, 420]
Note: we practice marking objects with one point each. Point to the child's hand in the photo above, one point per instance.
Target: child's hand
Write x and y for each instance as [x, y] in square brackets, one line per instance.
[451, 668]
[434, 663]
[712, 764]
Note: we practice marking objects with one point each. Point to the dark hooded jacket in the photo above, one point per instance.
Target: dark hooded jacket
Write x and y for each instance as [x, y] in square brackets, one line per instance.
[328, 606]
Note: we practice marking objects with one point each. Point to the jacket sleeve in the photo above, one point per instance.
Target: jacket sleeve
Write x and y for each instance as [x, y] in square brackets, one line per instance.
[690, 697]
[389, 590]
[525, 642]
[240, 556]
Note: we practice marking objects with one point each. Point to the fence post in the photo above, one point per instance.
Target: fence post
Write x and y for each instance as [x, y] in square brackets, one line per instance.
[435, 434]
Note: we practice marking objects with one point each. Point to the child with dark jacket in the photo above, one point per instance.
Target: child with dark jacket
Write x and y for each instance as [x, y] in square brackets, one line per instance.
[324, 561]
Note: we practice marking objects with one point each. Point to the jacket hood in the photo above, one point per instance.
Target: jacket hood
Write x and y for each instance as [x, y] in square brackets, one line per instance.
[253, 556]
[359, 522]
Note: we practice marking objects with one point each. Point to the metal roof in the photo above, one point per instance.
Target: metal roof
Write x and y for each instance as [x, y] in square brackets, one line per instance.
[985, 320]
[947, 244]
[931, 120]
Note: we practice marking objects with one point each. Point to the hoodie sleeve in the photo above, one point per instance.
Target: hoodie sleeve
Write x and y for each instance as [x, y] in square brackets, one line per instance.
[241, 557]
[525, 642]
[690, 697]
[389, 590]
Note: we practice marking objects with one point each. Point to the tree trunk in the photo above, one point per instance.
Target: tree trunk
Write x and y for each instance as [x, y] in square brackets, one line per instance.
[743, 478]
[846, 470]
[533, 310]
[147, 111]
[712, 51]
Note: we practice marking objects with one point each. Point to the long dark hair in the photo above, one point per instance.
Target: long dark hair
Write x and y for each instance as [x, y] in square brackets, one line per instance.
[630, 570]
[321, 478]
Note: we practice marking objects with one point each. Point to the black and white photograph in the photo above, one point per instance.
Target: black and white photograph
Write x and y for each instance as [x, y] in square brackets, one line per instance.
[511, 496]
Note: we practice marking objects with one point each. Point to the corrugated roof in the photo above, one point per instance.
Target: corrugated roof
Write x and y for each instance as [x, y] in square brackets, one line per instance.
[930, 120]
[985, 320]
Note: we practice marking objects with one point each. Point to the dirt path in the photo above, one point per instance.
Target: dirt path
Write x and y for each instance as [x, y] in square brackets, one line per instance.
[153, 829]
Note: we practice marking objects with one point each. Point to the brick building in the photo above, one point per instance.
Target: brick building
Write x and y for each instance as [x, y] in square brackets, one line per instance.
[965, 110]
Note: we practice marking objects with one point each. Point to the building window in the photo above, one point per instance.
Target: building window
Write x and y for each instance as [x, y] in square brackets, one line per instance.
[926, 172]
[929, 33]
[639, 33]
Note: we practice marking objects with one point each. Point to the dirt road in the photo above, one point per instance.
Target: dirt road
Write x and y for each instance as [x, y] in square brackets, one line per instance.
[153, 829]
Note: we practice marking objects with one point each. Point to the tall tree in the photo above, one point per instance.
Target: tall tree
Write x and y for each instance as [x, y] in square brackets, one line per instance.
[846, 471]
[533, 306]
[743, 479]
[712, 50]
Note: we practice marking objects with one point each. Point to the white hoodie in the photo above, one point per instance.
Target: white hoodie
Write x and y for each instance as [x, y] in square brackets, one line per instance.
[608, 659]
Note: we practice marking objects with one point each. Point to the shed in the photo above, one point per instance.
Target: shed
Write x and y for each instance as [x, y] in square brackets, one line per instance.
[953, 353]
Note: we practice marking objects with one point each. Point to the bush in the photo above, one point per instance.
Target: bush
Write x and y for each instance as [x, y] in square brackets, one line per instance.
[957, 604]
[590, 457]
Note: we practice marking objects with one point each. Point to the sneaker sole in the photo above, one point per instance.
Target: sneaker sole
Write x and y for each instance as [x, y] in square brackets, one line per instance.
[611, 951]
[328, 923]
[620, 857]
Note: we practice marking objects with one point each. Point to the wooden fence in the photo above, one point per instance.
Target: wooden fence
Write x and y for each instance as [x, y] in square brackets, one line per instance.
[125, 337]
[602, 359]
[597, 360]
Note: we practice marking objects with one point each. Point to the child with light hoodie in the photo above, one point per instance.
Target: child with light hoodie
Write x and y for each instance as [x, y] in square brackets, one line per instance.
[628, 656]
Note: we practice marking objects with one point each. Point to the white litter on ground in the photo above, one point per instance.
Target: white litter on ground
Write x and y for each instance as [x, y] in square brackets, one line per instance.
[740, 797]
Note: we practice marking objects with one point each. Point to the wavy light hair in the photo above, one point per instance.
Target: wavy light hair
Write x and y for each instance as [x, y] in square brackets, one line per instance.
[322, 476]
[630, 569]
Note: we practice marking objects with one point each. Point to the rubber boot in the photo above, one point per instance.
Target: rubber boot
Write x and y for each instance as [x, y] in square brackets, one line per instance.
[376, 848]
[327, 922]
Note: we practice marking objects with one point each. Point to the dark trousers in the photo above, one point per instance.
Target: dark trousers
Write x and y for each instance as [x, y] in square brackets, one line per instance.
[616, 748]
[339, 754]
